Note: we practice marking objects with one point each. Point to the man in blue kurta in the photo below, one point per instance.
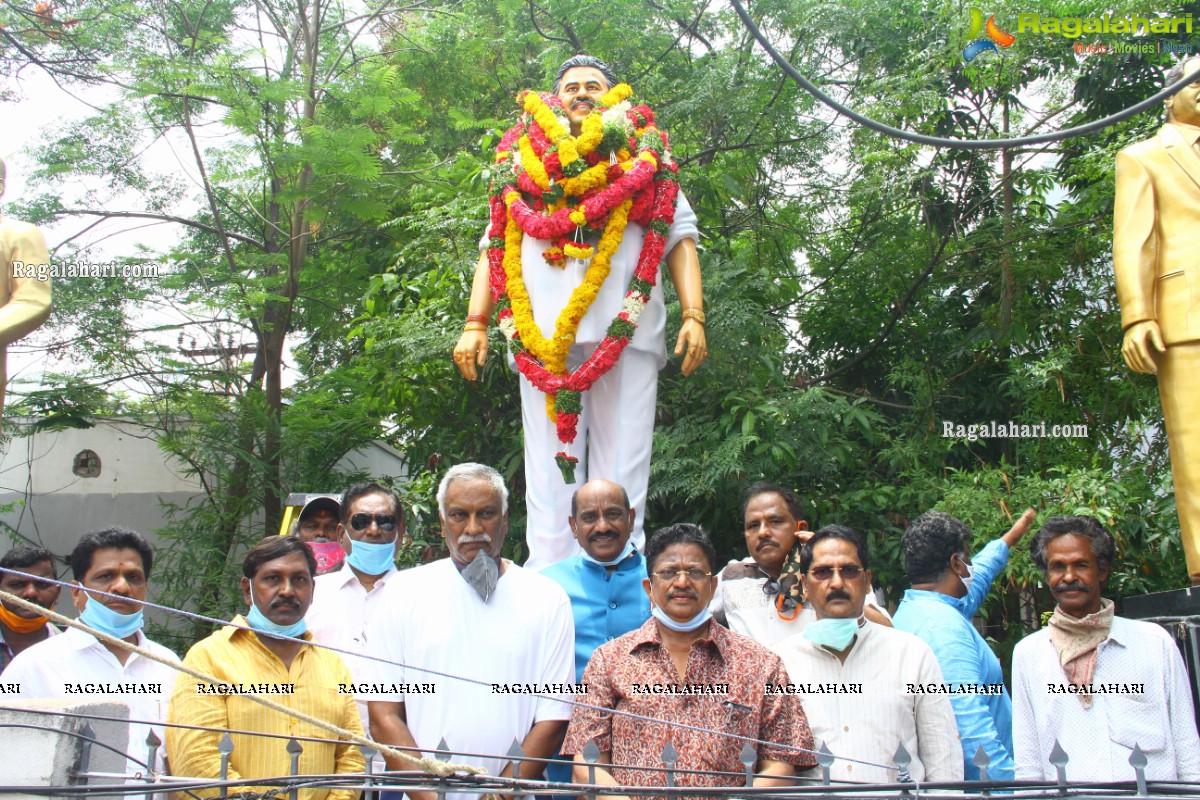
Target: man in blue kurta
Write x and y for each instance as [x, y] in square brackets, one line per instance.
[948, 586]
[604, 581]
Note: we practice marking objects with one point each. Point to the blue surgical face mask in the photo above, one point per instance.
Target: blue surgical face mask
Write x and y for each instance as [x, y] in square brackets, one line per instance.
[370, 558]
[836, 634]
[259, 621]
[683, 627]
[99, 616]
[624, 555]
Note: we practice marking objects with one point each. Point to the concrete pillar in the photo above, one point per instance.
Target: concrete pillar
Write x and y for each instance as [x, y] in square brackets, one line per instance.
[48, 754]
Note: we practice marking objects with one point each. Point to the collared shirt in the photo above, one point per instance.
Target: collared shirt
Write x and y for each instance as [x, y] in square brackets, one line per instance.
[77, 665]
[6, 652]
[729, 674]
[517, 645]
[550, 288]
[310, 685]
[864, 708]
[749, 609]
[338, 617]
[944, 623]
[605, 604]
[1142, 697]
[1190, 133]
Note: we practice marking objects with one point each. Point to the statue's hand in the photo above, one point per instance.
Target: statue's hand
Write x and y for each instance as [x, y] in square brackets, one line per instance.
[1141, 340]
[691, 337]
[471, 351]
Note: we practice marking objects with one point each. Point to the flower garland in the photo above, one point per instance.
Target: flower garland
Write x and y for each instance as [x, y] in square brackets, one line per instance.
[559, 185]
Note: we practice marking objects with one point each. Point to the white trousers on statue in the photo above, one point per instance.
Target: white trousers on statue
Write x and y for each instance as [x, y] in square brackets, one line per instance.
[613, 441]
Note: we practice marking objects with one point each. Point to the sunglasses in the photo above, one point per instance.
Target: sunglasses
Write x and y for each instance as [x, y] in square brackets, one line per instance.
[693, 575]
[386, 522]
[850, 572]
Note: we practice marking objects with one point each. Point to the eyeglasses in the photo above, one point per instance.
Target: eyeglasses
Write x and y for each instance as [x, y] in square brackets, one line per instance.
[386, 522]
[694, 575]
[850, 572]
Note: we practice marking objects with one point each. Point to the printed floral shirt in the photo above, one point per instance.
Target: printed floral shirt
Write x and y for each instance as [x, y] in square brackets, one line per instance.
[724, 691]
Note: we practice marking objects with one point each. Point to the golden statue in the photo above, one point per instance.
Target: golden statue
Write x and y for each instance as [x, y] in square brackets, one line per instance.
[1156, 256]
[25, 285]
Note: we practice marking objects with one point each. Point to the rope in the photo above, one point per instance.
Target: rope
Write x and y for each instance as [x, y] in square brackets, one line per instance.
[937, 141]
[441, 769]
[566, 699]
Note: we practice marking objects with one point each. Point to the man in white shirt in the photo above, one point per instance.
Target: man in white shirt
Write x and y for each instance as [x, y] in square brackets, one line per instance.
[760, 596]
[370, 532]
[21, 628]
[78, 665]
[1097, 683]
[507, 631]
[867, 687]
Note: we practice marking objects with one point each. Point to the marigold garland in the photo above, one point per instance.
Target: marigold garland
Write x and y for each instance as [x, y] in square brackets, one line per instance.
[560, 184]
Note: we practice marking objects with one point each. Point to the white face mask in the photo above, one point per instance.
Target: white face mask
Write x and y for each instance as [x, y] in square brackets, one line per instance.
[969, 578]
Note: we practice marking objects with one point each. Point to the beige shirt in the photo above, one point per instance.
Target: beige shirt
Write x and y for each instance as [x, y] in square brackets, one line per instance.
[24, 301]
[865, 708]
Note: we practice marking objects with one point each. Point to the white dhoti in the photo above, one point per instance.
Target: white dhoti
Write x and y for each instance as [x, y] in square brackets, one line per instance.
[617, 426]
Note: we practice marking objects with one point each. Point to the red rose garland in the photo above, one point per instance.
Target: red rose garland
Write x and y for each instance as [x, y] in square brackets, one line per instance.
[650, 183]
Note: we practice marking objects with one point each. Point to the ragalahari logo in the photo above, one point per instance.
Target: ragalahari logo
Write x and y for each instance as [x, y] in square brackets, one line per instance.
[982, 44]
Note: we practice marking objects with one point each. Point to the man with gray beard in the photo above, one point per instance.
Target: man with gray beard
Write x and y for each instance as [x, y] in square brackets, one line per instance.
[507, 631]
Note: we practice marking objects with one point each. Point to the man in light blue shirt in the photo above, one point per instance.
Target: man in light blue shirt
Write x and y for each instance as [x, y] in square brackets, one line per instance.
[604, 582]
[948, 588]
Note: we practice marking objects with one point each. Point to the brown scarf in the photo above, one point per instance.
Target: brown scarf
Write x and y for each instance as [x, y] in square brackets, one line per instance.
[1077, 640]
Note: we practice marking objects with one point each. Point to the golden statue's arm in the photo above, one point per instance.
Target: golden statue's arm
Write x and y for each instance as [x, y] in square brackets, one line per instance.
[28, 299]
[1135, 257]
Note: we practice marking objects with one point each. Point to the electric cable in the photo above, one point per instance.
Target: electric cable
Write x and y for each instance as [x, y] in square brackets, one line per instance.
[938, 141]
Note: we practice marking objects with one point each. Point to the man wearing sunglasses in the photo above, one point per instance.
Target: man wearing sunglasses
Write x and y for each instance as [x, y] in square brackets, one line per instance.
[866, 685]
[371, 530]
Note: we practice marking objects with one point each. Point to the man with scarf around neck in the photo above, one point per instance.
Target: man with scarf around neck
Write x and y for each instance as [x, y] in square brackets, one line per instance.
[78, 665]
[1096, 683]
[370, 532]
[681, 667]
[277, 586]
[863, 681]
[948, 587]
[761, 596]
[20, 628]
[507, 632]
[604, 581]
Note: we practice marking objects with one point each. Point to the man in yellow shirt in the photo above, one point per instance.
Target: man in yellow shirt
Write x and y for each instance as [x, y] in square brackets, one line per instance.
[278, 587]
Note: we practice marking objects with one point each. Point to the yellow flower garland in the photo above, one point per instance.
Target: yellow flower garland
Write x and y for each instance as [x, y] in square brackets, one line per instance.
[553, 352]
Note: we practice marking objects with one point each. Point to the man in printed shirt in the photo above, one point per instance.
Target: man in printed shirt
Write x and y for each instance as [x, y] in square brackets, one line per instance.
[1096, 683]
[278, 587]
[19, 627]
[948, 586]
[681, 667]
[876, 675]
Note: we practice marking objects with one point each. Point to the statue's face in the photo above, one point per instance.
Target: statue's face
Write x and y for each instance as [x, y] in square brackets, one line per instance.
[580, 92]
[1185, 105]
